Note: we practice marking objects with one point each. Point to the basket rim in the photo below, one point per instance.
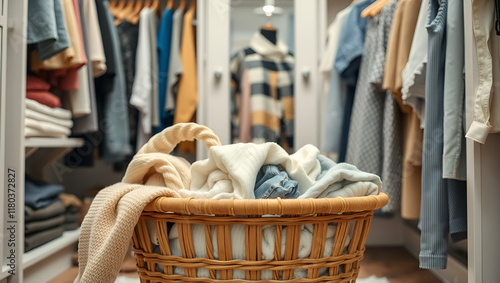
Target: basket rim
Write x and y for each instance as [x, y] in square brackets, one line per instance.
[277, 206]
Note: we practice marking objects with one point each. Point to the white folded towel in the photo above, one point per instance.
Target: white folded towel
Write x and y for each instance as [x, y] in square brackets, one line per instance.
[34, 128]
[60, 113]
[39, 116]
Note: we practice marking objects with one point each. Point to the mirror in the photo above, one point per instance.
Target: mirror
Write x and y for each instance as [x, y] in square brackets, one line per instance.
[262, 71]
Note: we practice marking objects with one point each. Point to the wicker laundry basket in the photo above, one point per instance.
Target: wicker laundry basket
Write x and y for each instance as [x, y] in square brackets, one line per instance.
[351, 215]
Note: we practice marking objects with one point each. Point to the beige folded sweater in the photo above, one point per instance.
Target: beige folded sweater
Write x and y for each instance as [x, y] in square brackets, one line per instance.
[108, 226]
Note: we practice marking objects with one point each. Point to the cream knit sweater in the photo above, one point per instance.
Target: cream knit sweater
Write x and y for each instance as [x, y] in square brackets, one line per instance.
[108, 226]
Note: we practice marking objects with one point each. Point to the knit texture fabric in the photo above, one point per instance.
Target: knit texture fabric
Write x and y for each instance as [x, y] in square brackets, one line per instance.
[108, 226]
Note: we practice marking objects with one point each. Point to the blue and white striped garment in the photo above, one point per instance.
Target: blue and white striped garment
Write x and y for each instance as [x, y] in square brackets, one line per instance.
[443, 208]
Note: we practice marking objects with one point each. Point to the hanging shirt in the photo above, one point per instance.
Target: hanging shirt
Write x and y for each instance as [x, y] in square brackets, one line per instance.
[153, 30]
[270, 72]
[46, 28]
[334, 88]
[95, 46]
[443, 210]
[128, 35]
[486, 104]
[79, 97]
[72, 57]
[454, 163]
[398, 49]
[104, 83]
[163, 46]
[143, 85]
[414, 73]
[347, 62]
[375, 130]
[113, 115]
[187, 96]
[88, 123]
[175, 67]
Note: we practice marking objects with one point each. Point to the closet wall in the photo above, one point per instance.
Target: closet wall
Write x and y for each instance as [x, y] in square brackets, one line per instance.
[483, 161]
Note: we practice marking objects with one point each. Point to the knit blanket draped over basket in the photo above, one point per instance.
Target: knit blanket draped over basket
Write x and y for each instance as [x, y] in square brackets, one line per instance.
[230, 171]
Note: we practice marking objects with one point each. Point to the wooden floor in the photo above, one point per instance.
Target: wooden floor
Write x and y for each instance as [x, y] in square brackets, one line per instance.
[396, 264]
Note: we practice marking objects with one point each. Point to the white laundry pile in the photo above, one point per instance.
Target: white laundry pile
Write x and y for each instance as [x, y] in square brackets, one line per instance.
[231, 171]
[43, 121]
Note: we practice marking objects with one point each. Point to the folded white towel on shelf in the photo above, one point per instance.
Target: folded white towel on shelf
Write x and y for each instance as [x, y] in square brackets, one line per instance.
[39, 116]
[60, 113]
[34, 128]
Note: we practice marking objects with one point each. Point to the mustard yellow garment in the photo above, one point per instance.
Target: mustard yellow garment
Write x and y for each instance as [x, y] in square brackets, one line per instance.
[187, 95]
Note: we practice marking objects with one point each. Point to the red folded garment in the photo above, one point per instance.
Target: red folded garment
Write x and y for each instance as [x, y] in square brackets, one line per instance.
[44, 97]
[62, 79]
[36, 83]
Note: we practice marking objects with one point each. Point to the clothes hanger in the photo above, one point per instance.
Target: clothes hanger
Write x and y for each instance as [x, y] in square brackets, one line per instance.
[192, 6]
[155, 6]
[182, 5]
[134, 16]
[119, 6]
[123, 14]
[374, 8]
[170, 4]
[112, 4]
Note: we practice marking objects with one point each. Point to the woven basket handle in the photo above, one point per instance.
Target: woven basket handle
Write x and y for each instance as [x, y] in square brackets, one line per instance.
[166, 140]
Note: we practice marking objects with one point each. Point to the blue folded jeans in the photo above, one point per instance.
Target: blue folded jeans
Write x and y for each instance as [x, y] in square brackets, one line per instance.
[273, 183]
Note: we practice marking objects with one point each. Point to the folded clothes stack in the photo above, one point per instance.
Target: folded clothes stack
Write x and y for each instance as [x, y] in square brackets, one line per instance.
[38, 90]
[44, 116]
[48, 213]
[73, 206]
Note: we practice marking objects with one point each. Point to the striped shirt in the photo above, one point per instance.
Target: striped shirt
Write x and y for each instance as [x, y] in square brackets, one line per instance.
[265, 95]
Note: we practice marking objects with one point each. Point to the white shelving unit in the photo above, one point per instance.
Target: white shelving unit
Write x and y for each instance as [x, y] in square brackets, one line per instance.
[43, 152]
[20, 155]
[52, 142]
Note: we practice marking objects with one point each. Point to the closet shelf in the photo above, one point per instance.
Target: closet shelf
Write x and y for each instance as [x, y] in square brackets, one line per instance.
[52, 142]
[5, 272]
[38, 254]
